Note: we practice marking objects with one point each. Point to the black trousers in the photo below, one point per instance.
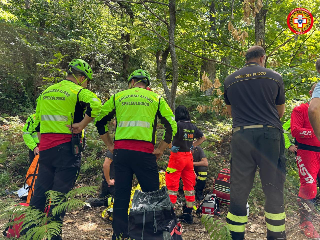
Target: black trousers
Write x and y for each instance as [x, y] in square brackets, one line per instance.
[58, 170]
[127, 163]
[31, 156]
[252, 148]
[201, 172]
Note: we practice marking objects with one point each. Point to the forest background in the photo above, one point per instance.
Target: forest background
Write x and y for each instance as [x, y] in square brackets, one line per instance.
[188, 46]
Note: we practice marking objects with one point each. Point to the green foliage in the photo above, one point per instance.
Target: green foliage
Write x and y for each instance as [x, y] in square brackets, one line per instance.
[256, 197]
[37, 224]
[14, 159]
[5, 179]
[93, 156]
[192, 99]
[217, 229]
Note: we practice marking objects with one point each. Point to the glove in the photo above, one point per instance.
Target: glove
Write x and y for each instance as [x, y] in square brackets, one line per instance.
[175, 149]
[192, 147]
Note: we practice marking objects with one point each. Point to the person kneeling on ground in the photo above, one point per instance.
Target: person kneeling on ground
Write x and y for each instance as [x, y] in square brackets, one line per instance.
[107, 184]
[200, 163]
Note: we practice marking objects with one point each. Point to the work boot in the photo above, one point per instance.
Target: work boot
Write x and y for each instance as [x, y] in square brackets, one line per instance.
[306, 210]
[186, 216]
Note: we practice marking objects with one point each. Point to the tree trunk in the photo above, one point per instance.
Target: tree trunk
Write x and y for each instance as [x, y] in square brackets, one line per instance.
[171, 31]
[125, 55]
[27, 4]
[210, 68]
[212, 10]
[260, 26]
[224, 71]
[162, 57]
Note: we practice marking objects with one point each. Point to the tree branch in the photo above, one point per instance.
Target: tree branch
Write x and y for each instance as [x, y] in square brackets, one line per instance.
[141, 2]
[270, 54]
[275, 38]
[191, 53]
[300, 48]
[164, 21]
[232, 3]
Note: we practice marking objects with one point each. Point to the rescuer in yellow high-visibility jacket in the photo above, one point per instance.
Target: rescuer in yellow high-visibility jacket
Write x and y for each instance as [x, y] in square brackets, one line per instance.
[136, 111]
[63, 111]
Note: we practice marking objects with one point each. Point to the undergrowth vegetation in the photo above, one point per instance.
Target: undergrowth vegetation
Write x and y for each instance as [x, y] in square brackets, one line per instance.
[217, 129]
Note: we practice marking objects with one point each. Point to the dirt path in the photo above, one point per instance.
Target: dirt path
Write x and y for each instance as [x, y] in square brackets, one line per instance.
[87, 224]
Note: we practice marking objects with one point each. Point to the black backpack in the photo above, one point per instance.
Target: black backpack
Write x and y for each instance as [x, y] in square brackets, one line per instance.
[152, 217]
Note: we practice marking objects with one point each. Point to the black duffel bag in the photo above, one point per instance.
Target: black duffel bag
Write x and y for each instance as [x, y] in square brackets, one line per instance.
[152, 217]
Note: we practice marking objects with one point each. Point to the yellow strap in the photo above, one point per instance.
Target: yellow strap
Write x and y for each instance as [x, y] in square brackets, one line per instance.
[236, 228]
[203, 173]
[170, 170]
[275, 216]
[238, 219]
[273, 228]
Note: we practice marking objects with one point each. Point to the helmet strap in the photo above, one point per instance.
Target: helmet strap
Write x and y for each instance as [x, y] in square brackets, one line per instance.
[136, 83]
[79, 83]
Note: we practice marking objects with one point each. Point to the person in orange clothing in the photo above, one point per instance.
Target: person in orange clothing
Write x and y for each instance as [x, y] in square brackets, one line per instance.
[181, 161]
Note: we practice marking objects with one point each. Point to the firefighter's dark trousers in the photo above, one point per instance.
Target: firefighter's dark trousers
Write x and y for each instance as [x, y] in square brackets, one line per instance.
[252, 148]
[127, 163]
[201, 172]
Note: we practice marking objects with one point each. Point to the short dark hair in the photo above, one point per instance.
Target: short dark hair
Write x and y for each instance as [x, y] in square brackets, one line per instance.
[182, 113]
[318, 64]
[255, 52]
[72, 71]
[142, 80]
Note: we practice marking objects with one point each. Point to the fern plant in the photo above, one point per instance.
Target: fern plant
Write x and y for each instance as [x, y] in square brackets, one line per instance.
[37, 225]
[217, 229]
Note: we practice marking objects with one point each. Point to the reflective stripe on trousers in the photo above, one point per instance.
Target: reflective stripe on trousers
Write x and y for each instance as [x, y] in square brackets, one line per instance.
[275, 222]
[237, 225]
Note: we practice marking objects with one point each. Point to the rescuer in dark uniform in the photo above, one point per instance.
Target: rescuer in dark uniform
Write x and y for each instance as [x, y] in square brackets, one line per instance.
[255, 99]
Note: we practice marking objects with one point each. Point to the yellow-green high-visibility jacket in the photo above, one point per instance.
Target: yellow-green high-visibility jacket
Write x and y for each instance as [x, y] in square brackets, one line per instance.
[30, 136]
[136, 111]
[62, 104]
[288, 139]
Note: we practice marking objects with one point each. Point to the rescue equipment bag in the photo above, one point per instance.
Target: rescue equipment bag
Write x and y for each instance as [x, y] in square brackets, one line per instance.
[31, 177]
[222, 186]
[152, 217]
[210, 205]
